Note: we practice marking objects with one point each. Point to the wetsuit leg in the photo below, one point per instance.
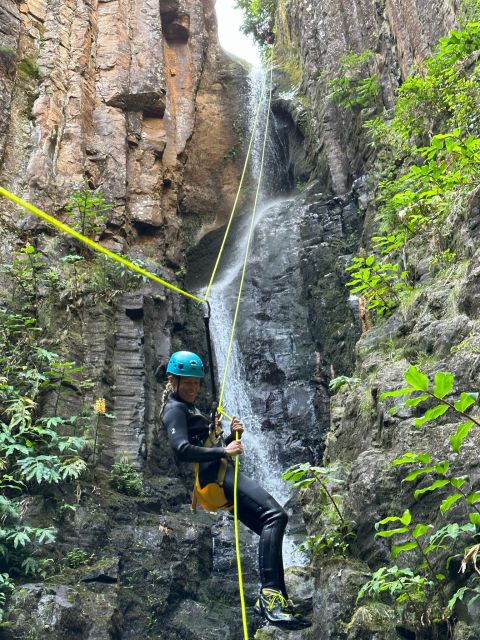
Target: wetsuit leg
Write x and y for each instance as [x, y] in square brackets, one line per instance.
[262, 514]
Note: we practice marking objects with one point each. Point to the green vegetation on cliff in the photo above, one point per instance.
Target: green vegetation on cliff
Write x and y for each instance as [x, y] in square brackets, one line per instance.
[428, 158]
[259, 16]
[46, 446]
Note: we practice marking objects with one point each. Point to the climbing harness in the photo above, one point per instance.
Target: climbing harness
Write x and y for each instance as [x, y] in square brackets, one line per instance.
[213, 493]
[212, 496]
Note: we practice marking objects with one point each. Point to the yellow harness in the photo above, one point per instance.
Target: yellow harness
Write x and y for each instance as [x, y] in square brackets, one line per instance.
[212, 496]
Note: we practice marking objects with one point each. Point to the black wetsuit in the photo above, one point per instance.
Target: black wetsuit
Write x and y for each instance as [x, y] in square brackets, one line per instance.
[187, 430]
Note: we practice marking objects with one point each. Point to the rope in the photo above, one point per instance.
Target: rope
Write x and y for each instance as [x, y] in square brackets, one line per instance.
[237, 197]
[94, 245]
[144, 272]
[247, 251]
[229, 353]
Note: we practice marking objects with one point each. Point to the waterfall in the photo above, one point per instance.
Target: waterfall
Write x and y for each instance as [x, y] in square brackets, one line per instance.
[261, 451]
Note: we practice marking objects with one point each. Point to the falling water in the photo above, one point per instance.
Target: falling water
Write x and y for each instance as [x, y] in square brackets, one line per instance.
[260, 459]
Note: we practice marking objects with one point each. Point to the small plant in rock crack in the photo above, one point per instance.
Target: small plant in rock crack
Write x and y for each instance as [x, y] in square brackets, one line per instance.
[27, 271]
[340, 381]
[89, 211]
[98, 430]
[76, 558]
[337, 535]
[427, 581]
[124, 478]
[356, 88]
[379, 283]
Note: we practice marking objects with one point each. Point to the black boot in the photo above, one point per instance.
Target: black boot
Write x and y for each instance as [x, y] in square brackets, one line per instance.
[279, 611]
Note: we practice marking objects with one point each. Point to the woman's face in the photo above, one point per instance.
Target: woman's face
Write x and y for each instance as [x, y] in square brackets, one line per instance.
[186, 388]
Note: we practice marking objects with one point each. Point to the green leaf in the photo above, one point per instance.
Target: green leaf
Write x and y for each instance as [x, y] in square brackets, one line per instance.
[433, 487]
[397, 549]
[413, 402]
[458, 595]
[432, 414]
[443, 384]
[442, 467]
[421, 530]
[462, 432]
[416, 378]
[398, 392]
[418, 472]
[410, 457]
[448, 503]
[406, 517]
[465, 401]
[458, 482]
[391, 532]
[474, 518]
[473, 497]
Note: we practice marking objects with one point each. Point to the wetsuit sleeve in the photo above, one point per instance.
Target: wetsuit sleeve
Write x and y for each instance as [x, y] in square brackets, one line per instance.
[175, 421]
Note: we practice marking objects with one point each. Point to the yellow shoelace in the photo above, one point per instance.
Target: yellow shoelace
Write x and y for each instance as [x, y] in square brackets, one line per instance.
[273, 597]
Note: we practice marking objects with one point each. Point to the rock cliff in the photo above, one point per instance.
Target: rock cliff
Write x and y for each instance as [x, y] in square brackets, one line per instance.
[437, 330]
[135, 99]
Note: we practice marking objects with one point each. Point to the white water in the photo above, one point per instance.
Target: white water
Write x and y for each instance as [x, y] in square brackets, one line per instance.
[259, 460]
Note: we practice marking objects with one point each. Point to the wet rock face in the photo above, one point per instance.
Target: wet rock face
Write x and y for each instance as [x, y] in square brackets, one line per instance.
[143, 579]
[296, 329]
[399, 32]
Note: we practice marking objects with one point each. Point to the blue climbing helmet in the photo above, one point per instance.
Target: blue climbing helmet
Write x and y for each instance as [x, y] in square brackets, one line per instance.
[186, 364]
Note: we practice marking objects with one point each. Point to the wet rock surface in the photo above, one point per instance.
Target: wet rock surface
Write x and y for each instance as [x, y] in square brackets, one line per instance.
[296, 329]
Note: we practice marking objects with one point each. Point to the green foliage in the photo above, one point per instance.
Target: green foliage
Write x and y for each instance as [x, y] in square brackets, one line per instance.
[400, 584]
[337, 383]
[125, 479]
[26, 271]
[355, 88]
[7, 587]
[36, 451]
[434, 132]
[424, 582]
[259, 16]
[76, 558]
[469, 11]
[336, 537]
[88, 211]
[378, 282]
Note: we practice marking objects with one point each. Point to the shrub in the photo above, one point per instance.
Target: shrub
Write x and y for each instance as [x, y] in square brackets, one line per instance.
[125, 479]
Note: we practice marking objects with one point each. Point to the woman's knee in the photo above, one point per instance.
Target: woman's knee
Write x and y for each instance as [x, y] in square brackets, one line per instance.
[277, 515]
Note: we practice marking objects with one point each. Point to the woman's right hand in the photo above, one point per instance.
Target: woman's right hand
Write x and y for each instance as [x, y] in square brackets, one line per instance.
[235, 448]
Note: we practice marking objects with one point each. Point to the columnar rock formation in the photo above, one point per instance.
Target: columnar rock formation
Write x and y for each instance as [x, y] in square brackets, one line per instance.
[110, 94]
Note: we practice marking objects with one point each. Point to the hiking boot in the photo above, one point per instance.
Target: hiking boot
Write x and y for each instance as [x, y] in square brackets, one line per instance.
[279, 611]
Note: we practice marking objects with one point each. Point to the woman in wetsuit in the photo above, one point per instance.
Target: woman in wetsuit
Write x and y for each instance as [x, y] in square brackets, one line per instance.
[190, 436]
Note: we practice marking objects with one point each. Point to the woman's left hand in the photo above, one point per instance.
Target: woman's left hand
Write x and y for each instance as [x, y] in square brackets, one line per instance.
[236, 426]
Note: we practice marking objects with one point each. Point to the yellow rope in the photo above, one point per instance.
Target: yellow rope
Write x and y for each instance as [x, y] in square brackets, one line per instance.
[130, 265]
[229, 353]
[234, 208]
[247, 251]
[94, 245]
[237, 549]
